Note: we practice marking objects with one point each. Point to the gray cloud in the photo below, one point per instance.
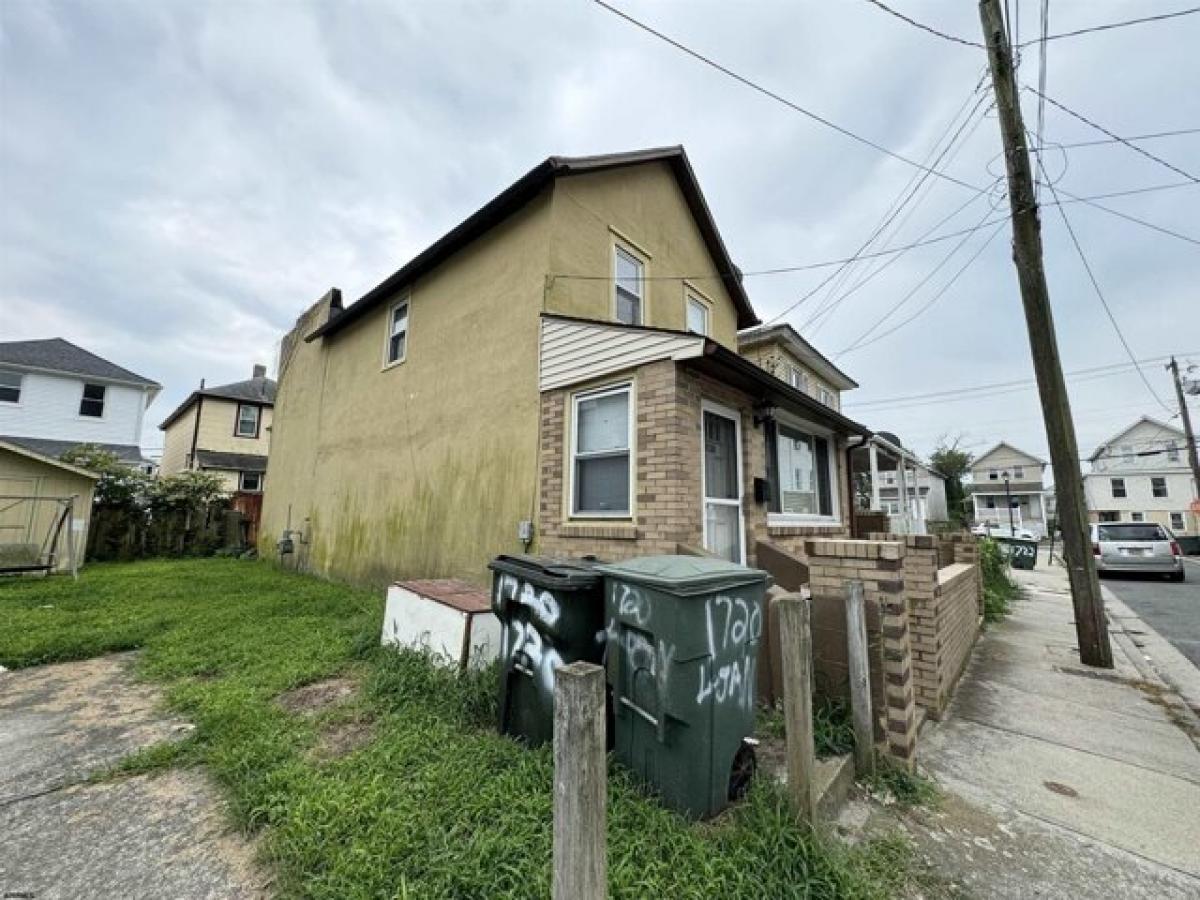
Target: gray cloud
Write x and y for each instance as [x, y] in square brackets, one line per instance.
[177, 181]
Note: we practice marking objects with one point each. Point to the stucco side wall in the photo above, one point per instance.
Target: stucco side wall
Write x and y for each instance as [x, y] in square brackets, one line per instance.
[177, 443]
[425, 468]
[644, 207]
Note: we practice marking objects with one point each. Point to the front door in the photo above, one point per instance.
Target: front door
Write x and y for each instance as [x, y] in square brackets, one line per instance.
[721, 484]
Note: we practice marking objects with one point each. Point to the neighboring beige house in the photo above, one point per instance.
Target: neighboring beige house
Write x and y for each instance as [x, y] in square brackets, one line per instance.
[225, 430]
[1141, 474]
[990, 495]
[559, 373]
[781, 351]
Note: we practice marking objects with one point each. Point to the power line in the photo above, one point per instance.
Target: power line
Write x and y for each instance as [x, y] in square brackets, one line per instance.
[779, 98]
[1154, 135]
[913, 22]
[932, 300]
[1099, 293]
[1023, 382]
[1044, 26]
[1116, 137]
[1123, 24]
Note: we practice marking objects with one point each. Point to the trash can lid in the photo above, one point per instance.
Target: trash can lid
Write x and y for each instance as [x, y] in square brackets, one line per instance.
[548, 571]
[684, 574]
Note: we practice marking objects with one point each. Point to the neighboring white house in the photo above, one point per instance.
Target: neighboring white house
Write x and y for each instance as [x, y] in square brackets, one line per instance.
[55, 395]
[894, 473]
[1007, 475]
[1141, 474]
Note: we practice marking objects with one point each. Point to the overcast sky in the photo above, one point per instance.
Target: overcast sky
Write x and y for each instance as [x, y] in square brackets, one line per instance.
[179, 180]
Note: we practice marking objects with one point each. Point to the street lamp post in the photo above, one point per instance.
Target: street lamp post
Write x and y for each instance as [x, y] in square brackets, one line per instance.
[1012, 530]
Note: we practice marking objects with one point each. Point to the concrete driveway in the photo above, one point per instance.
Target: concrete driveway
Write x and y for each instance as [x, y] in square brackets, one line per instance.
[150, 836]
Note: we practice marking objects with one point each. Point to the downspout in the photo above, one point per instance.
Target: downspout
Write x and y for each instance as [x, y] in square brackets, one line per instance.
[196, 427]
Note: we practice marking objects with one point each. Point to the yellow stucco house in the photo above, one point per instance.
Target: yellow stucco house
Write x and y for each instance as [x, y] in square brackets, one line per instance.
[225, 430]
[560, 373]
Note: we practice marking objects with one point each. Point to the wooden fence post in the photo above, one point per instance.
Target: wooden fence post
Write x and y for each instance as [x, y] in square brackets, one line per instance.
[860, 679]
[795, 641]
[580, 784]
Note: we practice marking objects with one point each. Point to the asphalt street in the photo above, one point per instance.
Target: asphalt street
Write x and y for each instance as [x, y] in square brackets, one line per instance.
[1172, 609]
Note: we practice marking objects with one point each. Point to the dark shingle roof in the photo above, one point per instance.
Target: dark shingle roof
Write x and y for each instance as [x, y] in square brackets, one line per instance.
[128, 453]
[243, 462]
[252, 390]
[58, 355]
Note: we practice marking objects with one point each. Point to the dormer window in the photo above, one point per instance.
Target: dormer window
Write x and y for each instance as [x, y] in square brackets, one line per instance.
[629, 287]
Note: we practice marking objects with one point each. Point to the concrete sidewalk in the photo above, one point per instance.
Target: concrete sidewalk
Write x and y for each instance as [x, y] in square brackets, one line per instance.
[1062, 780]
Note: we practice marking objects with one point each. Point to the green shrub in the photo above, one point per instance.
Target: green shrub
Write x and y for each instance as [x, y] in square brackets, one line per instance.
[999, 589]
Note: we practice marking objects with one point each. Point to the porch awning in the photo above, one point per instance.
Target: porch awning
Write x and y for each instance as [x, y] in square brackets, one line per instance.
[737, 371]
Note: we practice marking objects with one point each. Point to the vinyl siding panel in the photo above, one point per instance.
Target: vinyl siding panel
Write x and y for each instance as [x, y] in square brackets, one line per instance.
[49, 408]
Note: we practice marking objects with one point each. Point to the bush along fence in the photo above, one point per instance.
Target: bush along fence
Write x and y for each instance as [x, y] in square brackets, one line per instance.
[135, 515]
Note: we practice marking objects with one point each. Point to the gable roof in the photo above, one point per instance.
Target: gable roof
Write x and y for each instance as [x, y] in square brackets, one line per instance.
[800, 348]
[252, 390]
[984, 456]
[58, 355]
[50, 460]
[1144, 420]
[521, 192]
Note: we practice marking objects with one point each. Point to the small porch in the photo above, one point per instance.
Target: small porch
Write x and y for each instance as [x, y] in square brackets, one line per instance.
[654, 441]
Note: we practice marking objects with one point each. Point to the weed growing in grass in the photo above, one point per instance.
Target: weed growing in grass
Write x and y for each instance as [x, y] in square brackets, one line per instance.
[999, 589]
[833, 730]
[907, 788]
[435, 804]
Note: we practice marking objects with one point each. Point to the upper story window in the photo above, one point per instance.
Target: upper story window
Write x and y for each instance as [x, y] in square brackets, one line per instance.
[1172, 447]
[629, 287]
[1158, 486]
[247, 420]
[1127, 451]
[1118, 487]
[92, 402]
[827, 397]
[397, 334]
[600, 450]
[993, 475]
[1018, 472]
[797, 379]
[697, 315]
[10, 387]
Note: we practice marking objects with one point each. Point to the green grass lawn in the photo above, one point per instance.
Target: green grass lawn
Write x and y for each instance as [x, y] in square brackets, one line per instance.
[436, 804]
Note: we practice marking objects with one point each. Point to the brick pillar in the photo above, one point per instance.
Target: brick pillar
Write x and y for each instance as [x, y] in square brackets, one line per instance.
[966, 550]
[879, 565]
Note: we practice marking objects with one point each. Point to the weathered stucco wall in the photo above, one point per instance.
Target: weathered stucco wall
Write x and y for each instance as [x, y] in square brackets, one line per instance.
[217, 422]
[641, 206]
[423, 468]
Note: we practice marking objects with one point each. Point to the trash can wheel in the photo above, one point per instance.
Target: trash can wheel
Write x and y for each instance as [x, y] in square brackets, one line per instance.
[742, 772]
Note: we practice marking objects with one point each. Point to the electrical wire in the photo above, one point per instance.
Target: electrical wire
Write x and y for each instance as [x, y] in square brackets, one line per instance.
[1116, 137]
[1154, 135]
[1099, 293]
[1108, 26]
[1044, 26]
[923, 27]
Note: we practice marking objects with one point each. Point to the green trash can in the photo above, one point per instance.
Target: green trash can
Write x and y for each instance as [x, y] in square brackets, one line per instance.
[683, 635]
[1021, 553]
[551, 614]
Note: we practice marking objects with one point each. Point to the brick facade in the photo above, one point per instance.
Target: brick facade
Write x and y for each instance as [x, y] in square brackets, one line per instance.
[667, 449]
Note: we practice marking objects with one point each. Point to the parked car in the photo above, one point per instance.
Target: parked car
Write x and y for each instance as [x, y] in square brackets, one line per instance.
[1003, 531]
[1136, 547]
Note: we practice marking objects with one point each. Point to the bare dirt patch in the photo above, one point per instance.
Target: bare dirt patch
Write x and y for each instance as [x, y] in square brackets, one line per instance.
[315, 698]
[342, 739]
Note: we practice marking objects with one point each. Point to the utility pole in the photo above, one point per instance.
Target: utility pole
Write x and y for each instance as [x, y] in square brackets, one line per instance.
[1188, 434]
[1091, 627]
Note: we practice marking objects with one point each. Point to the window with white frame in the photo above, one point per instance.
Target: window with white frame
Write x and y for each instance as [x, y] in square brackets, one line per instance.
[1177, 521]
[797, 378]
[1172, 447]
[827, 397]
[804, 466]
[10, 387]
[252, 481]
[697, 315]
[397, 335]
[247, 421]
[1137, 517]
[1118, 487]
[629, 287]
[1158, 486]
[993, 475]
[601, 459]
[1018, 472]
[91, 404]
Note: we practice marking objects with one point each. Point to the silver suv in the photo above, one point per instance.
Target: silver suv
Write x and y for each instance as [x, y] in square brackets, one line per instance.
[1136, 547]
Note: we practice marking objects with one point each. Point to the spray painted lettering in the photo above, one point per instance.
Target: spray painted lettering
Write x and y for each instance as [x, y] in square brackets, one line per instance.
[525, 644]
[734, 627]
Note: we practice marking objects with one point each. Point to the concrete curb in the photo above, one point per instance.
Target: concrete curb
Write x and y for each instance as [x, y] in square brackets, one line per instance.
[1149, 650]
